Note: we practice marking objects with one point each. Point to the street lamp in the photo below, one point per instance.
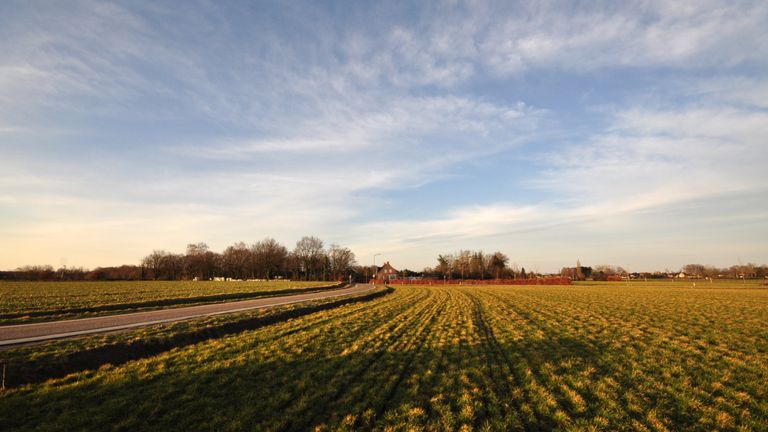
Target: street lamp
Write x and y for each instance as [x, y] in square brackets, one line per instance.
[375, 269]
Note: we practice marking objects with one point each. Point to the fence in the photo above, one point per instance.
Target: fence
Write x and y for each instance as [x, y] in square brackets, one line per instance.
[536, 281]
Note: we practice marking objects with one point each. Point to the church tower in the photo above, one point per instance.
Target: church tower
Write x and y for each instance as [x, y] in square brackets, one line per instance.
[579, 273]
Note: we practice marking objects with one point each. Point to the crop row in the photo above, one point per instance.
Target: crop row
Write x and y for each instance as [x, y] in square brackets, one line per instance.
[446, 358]
[24, 300]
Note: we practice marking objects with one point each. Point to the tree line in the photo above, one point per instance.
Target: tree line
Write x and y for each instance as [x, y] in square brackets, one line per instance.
[265, 259]
[739, 271]
[311, 260]
[610, 272]
[603, 272]
[468, 264]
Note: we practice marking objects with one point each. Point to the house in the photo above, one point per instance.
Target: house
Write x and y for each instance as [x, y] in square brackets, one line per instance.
[386, 272]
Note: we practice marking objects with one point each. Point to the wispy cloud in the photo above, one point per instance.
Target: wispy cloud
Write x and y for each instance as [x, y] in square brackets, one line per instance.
[647, 163]
[674, 154]
[223, 122]
[452, 45]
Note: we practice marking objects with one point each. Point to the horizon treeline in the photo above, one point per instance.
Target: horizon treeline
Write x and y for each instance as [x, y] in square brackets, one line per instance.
[310, 260]
[468, 264]
[696, 271]
[265, 259]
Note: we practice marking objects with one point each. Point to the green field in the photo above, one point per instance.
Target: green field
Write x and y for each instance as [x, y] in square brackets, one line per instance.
[25, 301]
[582, 357]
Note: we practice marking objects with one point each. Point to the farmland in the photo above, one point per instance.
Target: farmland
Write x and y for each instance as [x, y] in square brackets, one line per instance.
[24, 301]
[609, 356]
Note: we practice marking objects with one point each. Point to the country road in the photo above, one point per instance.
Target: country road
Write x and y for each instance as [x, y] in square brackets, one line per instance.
[25, 333]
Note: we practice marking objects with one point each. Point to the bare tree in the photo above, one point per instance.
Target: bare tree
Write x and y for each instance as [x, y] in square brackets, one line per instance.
[478, 264]
[461, 263]
[341, 260]
[236, 261]
[270, 258]
[153, 262]
[498, 263]
[695, 270]
[310, 255]
[743, 271]
[164, 265]
[36, 272]
[200, 261]
[172, 266]
[566, 272]
[444, 265]
[293, 266]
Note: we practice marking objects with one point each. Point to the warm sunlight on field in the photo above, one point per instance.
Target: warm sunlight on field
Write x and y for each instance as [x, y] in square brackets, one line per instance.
[24, 301]
[601, 357]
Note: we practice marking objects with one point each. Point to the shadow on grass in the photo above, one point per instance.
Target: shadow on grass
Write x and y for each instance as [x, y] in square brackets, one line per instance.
[443, 389]
[18, 374]
[160, 303]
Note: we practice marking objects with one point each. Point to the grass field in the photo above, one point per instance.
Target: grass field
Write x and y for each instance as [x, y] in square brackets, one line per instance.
[582, 357]
[25, 301]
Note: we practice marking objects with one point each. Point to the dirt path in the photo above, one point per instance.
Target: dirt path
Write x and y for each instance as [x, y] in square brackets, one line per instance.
[24, 333]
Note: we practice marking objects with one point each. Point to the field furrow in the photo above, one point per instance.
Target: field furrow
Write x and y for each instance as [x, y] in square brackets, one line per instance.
[441, 358]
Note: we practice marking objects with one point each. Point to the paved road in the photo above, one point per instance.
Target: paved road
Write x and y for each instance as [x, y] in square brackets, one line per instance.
[24, 333]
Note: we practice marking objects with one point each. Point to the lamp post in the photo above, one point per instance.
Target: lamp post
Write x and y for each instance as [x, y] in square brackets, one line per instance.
[375, 270]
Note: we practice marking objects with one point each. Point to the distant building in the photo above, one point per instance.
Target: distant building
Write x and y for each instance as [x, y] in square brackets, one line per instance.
[386, 272]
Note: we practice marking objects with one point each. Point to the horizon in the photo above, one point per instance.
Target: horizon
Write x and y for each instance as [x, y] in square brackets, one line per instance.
[630, 135]
[512, 264]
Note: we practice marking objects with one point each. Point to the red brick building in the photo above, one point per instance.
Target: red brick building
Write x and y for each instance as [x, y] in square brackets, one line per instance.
[385, 273]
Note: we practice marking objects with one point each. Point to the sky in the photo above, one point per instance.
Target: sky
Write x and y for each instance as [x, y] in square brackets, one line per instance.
[629, 133]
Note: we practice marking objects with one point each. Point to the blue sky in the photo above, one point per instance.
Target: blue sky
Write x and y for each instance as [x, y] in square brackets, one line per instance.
[625, 133]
